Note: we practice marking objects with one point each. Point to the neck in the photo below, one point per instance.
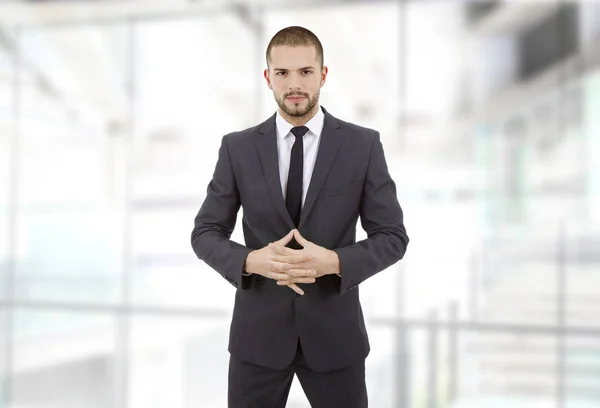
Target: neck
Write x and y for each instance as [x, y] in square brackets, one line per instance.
[300, 120]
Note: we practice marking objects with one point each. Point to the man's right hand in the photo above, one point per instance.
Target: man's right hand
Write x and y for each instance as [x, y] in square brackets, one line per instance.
[261, 262]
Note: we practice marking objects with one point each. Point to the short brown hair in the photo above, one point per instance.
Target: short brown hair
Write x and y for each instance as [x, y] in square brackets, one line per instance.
[296, 36]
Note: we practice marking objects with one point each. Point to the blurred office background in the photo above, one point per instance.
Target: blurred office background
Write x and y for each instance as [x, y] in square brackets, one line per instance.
[111, 115]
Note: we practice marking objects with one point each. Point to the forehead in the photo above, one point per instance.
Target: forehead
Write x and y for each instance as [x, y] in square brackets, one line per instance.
[289, 56]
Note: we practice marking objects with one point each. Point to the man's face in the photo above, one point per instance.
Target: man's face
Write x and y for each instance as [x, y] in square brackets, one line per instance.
[296, 77]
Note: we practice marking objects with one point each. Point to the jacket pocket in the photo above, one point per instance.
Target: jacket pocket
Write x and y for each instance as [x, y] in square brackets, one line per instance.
[342, 189]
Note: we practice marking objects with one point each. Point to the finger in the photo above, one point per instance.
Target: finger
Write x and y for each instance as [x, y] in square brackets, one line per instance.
[292, 273]
[301, 273]
[277, 266]
[296, 289]
[291, 259]
[296, 280]
[283, 241]
[279, 276]
[283, 250]
[300, 239]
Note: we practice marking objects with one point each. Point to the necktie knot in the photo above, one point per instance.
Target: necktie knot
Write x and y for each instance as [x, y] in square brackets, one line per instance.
[299, 131]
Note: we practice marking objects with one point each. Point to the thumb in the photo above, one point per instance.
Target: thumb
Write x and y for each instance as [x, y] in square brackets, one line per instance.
[300, 239]
[283, 241]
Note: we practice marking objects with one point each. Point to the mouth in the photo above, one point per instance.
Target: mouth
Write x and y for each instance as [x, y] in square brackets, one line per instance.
[295, 98]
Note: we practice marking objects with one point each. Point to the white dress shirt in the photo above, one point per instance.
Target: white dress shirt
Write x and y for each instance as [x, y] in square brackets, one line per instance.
[285, 141]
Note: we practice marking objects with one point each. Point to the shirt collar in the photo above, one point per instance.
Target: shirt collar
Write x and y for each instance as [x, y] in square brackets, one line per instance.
[315, 124]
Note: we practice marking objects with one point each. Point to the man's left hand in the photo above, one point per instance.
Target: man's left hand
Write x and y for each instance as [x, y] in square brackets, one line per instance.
[322, 260]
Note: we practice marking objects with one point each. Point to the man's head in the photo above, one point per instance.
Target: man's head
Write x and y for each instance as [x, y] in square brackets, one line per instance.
[295, 71]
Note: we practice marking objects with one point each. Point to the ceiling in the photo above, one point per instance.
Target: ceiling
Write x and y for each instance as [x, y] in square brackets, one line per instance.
[16, 12]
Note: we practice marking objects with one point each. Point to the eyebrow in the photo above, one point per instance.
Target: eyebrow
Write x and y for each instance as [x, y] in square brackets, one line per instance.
[300, 69]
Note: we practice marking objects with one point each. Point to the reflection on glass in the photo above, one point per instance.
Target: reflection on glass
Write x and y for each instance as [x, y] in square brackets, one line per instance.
[70, 179]
[63, 359]
[178, 363]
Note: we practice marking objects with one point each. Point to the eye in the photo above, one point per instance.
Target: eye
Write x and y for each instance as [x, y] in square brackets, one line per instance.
[280, 72]
[306, 71]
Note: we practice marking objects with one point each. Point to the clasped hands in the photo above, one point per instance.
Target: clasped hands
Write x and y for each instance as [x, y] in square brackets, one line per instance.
[291, 266]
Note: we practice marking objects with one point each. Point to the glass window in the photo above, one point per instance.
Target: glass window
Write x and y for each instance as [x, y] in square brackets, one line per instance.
[178, 362]
[490, 127]
[70, 202]
[6, 137]
[188, 97]
[5, 333]
[63, 359]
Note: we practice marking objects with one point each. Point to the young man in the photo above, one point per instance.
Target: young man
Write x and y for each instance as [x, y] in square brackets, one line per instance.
[303, 178]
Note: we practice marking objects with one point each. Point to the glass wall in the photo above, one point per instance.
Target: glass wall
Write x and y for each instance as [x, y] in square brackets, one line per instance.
[177, 362]
[72, 96]
[63, 359]
[4, 358]
[7, 77]
[109, 133]
[186, 98]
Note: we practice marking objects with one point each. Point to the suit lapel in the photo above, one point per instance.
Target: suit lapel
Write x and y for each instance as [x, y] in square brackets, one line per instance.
[266, 143]
[331, 140]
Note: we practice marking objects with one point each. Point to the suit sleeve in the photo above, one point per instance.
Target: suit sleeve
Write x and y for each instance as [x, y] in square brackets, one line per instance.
[216, 221]
[382, 218]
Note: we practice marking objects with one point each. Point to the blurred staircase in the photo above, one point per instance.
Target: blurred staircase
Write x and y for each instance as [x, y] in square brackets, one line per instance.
[525, 364]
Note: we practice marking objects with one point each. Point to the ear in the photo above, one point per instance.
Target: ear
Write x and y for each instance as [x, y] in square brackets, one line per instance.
[267, 78]
[324, 73]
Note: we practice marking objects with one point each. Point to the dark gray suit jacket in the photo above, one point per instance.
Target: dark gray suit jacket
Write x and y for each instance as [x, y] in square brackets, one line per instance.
[350, 178]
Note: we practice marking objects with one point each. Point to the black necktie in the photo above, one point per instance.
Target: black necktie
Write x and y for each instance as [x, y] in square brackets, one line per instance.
[293, 200]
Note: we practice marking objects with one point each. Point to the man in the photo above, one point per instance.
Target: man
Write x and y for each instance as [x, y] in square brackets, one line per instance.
[303, 178]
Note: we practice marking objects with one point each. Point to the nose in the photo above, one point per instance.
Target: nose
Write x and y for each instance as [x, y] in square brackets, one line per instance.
[294, 84]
